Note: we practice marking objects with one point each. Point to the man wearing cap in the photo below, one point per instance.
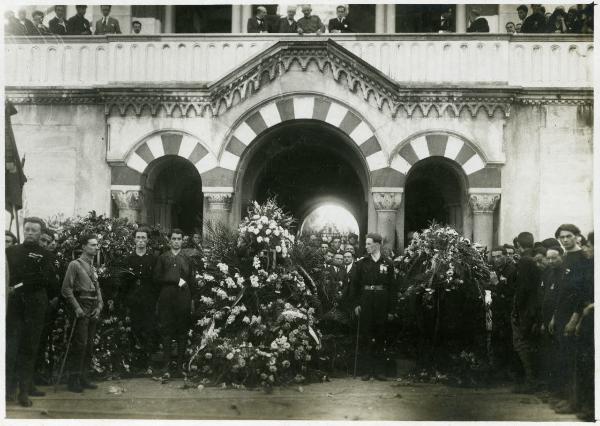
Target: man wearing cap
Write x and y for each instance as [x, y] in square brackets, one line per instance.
[32, 273]
[373, 296]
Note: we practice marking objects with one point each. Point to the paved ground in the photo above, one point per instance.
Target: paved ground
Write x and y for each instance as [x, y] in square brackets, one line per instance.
[340, 399]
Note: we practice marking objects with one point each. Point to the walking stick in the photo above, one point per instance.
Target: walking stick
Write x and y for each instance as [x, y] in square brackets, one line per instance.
[356, 347]
[62, 366]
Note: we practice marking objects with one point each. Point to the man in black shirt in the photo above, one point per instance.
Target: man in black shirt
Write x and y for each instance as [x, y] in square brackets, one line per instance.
[142, 295]
[536, 22]
[58, 24]
[525, 312]
[78, 25]
[174, 275]
[373, 297]
[341, 23]
[567, 313]
[31, 274]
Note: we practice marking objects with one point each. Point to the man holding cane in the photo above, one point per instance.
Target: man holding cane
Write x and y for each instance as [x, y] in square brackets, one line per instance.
[81, 290]
[373, 296]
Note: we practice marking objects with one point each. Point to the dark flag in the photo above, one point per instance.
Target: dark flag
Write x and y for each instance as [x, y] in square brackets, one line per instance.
[14, 176]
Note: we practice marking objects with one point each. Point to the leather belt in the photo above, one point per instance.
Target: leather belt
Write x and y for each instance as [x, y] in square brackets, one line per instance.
[374, 287]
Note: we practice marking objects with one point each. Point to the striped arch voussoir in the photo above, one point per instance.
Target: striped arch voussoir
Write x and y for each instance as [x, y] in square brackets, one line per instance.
[171, 143]
[299, 108]
[448, 146]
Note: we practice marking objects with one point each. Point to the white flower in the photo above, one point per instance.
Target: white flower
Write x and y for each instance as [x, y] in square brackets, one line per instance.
[229, 356]
[266, 239]
[264, 219]
[246, 320]
[230, 319]
[259, 239]
[254, 281]
[256, 231]
[268, 231]
[223, 268]
[278, 249]
[276, 232]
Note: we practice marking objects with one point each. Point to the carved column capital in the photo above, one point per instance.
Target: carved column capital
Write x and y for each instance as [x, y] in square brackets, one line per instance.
[483, 202]
[219, 201]
[128, 199]
[387, 200]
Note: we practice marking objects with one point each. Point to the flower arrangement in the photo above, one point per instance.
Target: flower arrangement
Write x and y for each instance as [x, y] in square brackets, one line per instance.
[258, 327]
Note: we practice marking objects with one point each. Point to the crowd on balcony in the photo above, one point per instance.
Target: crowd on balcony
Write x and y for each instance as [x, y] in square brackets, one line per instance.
[577, 19]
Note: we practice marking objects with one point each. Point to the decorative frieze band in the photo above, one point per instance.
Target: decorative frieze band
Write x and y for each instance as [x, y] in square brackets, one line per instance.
[128, 199]
[218, 201]
[388, 200]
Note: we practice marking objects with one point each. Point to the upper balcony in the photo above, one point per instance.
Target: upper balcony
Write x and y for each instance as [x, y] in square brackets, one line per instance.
[446, 60]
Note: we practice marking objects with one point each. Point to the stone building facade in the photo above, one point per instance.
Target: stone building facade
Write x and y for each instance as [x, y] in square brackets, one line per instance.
[499, 127]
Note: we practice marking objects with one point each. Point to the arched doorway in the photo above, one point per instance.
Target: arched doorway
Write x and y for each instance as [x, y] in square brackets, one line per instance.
[330, 219]
[173, 194]
[303, 163]
[435, 190]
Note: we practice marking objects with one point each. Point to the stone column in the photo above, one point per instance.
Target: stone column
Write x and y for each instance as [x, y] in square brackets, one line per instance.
[218, 207]
[236, 18]
[246, 14]
[390, 18]
[483, 206]
[169, 19]
[386, 205]
[379, 18]
[129, 203]
[461, 18]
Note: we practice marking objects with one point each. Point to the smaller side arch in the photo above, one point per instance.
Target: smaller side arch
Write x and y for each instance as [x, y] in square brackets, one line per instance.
[449, 145]
[170, 142]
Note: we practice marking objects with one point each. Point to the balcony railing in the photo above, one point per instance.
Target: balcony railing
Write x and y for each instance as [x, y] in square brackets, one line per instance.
[445, 59]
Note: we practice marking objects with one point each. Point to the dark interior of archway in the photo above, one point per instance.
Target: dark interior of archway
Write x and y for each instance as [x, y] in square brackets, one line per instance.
[432, 193]
[302, 162]
[177, 196]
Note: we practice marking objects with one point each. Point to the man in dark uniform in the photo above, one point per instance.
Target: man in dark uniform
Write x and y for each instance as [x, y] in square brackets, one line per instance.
[536, 22]
[81, 290]
[525, 312]
[341, 23]
[373, 296]
[567, 314]
[107, 24]
[78, 25]
[31, 274]
[142, 295]
[42, 370]
[502, 297]
[174, 275]
[58, 24]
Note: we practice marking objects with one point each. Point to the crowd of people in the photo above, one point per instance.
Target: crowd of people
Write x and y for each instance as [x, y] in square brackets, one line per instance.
[542, 303]
[577, 19]
[77, 24]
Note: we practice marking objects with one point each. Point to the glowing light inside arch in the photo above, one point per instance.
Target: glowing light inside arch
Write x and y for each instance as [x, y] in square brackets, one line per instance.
[330, 218]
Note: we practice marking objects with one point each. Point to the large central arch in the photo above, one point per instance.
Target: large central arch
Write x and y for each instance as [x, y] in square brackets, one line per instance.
[304, 163]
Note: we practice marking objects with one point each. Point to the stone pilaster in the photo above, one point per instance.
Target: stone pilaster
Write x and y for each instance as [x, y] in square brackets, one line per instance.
[129, 203]
[483, 206]
[387, 203]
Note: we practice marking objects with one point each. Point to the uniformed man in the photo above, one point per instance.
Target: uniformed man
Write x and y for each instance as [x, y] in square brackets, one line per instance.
[42, 369]
[31, 274]
[78, 25]
[174, 276]
[142, 295]
[310, 23]
[82, 292]
[373, 296]
[341, 23]
[525, 315]
[502, 297]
